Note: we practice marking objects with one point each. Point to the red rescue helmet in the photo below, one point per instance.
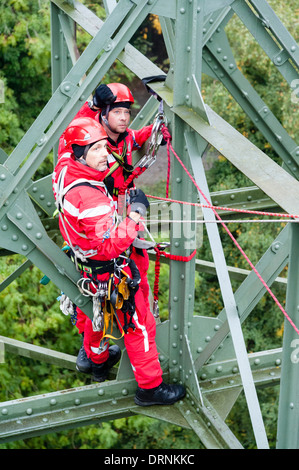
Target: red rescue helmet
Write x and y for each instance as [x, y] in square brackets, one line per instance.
[122, 93]
[84, 131]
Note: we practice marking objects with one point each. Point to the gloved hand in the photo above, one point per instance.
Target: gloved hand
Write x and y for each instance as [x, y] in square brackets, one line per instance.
[138, 201]
[103, 96]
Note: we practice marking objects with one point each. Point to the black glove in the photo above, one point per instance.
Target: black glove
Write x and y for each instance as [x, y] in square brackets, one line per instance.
[138, 201]
[103, 96]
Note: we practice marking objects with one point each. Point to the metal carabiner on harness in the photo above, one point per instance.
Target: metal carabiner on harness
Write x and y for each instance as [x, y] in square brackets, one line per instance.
[154, 142]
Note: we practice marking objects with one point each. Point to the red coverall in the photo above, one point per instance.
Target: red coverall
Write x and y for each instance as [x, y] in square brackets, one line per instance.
[90, 225]
[133, 140]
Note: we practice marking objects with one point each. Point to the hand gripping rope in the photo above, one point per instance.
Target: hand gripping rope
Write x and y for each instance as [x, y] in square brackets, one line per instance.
[167, 137]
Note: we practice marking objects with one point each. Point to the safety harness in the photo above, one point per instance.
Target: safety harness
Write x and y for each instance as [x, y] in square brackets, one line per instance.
[118, 293]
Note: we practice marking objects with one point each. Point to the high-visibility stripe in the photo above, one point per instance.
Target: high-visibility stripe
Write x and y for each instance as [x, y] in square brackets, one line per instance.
[144, 332]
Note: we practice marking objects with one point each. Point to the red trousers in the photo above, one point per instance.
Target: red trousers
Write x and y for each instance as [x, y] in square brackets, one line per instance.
[140, 343]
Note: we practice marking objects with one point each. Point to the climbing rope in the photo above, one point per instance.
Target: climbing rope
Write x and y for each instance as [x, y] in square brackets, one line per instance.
[231, 235]
[223, 208]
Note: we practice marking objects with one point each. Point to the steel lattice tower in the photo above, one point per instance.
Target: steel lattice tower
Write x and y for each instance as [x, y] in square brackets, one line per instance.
[207, 354]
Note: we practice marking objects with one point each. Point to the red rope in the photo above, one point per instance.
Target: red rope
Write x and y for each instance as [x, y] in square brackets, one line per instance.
[160, 253]
[137, 172]
[235, 241]
[229, 209]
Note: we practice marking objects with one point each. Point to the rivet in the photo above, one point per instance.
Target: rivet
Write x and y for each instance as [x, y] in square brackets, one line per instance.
[219, 368]
[277, 362]
[175, 327]
[29, 226]
[292, 406]
[216, 327]
[174, 345]
[234, 370]
[24, 247]
[2, 177]
[207, 339]
[4, 411]
[34, 189]
[4, 228]
[77, 401]
[38, 235]
[114, 402]
[42, 196]
[257, 361]
[53, 401]
[199, 350]
[124, 391]
[182, 11]
[15, 237]
[92, 410]
[29, 411]
[177, 244]
[45, 420]
[19, 215]
[175, 299]
[174, 362]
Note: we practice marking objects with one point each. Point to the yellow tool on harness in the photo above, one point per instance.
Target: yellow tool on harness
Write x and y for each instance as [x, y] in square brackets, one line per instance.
[123, 291]
[109, 313]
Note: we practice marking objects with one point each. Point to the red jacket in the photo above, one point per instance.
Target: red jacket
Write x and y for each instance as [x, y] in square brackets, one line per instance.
[132, 139]
[88, 221]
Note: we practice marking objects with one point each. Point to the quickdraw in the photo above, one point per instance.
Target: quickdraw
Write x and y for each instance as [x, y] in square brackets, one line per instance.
[151, 154]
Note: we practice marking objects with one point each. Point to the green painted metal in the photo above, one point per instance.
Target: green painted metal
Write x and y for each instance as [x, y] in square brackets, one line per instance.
[207, 354]
[287, 435]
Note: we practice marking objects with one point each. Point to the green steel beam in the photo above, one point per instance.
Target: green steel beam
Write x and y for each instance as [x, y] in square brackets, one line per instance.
[287, 434]
[220, 63]
[190, 30]
[271, 34]
[247, 296]
[194, 148]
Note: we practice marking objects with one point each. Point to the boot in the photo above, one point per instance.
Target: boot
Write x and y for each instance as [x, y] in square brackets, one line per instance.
[100, 371]
[83, 363]
[164, 394]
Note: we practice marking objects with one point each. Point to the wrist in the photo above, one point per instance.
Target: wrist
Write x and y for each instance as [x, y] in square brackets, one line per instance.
[135, 216]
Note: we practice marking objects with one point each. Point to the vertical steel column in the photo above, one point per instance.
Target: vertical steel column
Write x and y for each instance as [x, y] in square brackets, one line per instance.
[229, 302]
[186, 80]
[61, 63]
[288, 414]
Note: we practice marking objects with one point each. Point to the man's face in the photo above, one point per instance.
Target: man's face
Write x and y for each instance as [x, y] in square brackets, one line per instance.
[119, 119]
[97, 156]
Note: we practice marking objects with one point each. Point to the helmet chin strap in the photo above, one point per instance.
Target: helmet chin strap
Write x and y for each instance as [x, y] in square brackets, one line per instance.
[105, 113]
